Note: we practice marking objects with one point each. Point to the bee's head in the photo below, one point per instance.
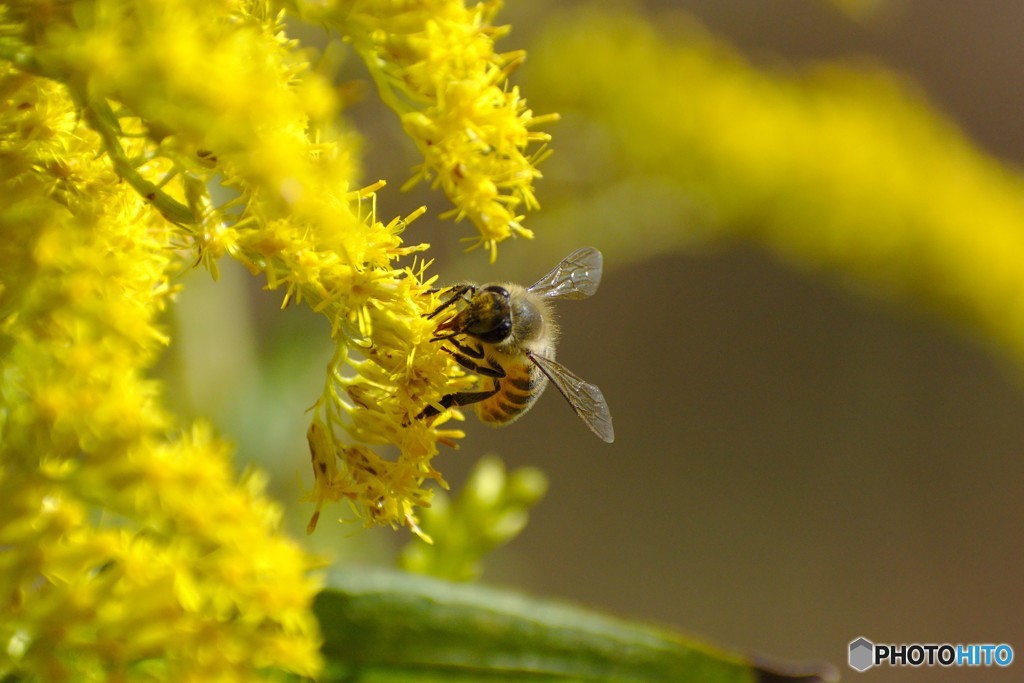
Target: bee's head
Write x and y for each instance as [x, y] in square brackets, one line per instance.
[487, 316]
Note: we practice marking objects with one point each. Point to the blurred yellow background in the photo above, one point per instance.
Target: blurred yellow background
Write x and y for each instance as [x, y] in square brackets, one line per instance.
[797, 462]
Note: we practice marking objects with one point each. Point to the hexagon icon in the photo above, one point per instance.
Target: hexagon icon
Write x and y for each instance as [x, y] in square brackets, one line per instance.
[862, 654]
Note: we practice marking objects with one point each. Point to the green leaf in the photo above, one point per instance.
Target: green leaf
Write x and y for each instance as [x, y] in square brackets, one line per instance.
[390, 626]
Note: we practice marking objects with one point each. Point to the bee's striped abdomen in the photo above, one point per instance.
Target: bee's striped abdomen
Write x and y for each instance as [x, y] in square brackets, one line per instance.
[519, 389]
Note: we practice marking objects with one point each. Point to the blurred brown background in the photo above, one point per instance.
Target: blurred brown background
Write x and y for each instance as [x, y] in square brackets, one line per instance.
[795, 465]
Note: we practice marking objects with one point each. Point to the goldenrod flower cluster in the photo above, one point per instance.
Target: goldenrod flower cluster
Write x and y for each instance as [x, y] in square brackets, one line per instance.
[434, 63]
[836, 169]
[129, 547]
[140, 138]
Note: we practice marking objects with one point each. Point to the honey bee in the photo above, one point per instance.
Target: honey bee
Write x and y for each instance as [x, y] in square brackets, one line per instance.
[507, 332]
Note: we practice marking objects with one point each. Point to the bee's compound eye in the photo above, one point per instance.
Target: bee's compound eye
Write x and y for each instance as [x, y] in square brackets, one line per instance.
[491, 320]
[497, 289]
[499, 331]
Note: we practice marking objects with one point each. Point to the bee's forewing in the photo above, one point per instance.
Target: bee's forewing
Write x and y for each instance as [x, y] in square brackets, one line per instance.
[576, 277]
[584, 398]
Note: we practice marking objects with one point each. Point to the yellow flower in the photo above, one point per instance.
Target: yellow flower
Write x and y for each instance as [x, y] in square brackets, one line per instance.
[838, 170]
[434, 63]
[184, 563]
[139, 138]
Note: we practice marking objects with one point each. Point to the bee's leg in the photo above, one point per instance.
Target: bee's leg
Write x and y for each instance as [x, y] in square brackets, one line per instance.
[494, 369]
[462, 398]
[473, 352]
[458, 292]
